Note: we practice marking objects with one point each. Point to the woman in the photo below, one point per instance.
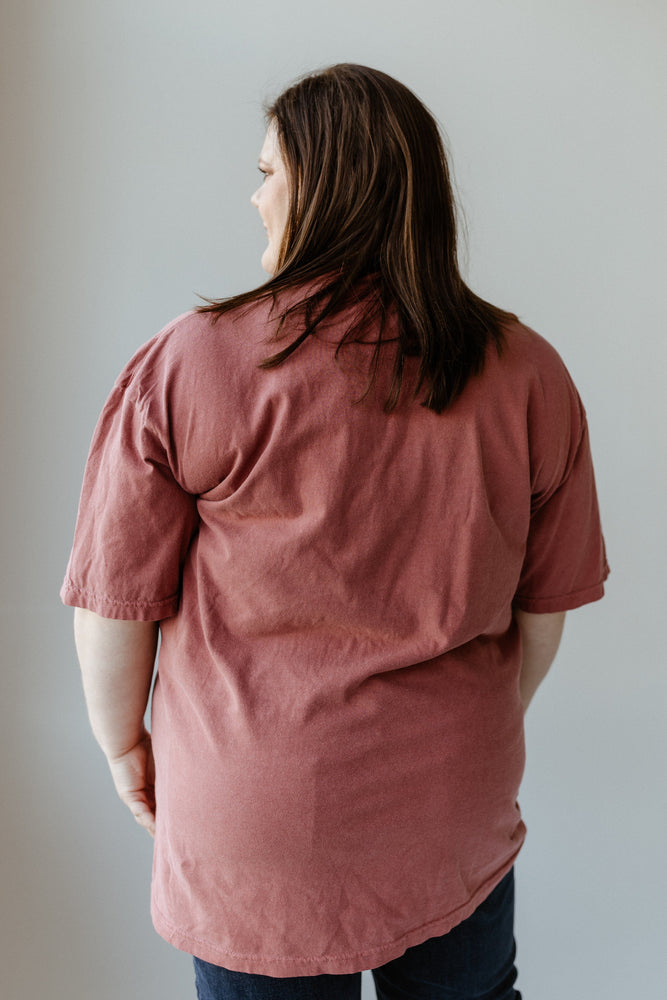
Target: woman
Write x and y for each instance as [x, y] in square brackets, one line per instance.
[359, 501]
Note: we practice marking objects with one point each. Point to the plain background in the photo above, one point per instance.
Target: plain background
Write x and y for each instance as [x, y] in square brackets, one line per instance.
[130, 133]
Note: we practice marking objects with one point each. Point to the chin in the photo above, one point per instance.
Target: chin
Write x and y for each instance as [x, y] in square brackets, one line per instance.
[269, 262]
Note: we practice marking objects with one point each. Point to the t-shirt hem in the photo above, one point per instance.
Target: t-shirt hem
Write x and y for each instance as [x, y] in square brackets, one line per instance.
[112, 607]
[341, 964]
[563, 602]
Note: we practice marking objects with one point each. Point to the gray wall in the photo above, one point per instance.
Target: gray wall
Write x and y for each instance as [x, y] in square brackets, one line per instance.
[131, 131]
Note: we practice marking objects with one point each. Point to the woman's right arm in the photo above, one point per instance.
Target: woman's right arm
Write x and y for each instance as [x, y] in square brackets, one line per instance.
[540, 638]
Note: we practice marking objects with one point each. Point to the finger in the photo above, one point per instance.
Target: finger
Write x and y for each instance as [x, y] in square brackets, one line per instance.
[145, 818]
[142, 810]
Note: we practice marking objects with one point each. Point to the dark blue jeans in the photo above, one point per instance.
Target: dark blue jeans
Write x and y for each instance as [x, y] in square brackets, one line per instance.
[475, 961]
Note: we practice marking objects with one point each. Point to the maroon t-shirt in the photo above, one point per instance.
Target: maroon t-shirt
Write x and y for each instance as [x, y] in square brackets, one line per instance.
[336, 722]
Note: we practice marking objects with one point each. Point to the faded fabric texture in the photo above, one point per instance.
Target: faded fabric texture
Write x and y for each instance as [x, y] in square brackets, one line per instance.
[336, 721]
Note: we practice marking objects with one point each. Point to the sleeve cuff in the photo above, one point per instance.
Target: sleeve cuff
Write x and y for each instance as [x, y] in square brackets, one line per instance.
[563, 602]
[111, 607]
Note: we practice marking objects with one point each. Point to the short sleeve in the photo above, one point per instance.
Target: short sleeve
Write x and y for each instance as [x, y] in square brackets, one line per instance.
[565, 562]
[135, 522]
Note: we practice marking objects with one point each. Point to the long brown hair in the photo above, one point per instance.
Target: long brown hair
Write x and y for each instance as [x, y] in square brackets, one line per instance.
[371, 198]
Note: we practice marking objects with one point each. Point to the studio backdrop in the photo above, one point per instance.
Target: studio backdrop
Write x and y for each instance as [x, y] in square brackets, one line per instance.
[131, 133]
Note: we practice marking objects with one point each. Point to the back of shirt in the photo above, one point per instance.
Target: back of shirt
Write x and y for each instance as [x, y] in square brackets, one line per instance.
[337, 726]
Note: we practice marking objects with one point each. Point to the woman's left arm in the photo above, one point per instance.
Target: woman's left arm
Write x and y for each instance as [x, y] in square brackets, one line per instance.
[117, 660]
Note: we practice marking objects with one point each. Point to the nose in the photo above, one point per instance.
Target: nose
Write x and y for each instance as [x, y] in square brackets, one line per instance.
[254, 198]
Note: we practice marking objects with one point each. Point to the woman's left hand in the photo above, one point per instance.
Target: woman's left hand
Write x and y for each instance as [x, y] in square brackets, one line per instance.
[133, 774]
